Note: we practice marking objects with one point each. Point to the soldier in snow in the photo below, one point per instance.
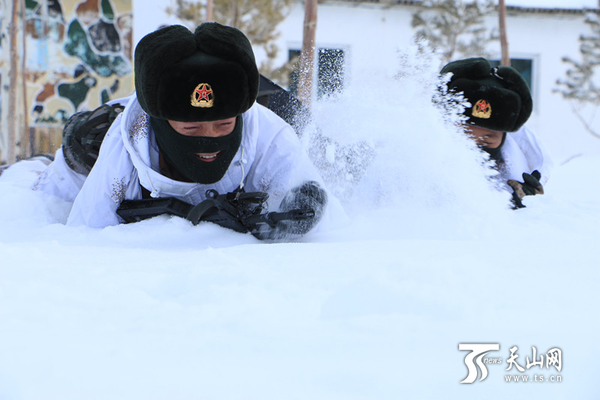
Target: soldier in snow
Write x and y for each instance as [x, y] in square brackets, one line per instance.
[500, 104]
[192, 128]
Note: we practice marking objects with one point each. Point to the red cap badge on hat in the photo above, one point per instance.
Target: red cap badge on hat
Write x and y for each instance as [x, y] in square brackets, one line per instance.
[482, 109]
[203, 96]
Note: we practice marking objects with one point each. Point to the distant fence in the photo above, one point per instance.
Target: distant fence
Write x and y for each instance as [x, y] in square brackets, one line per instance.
[45, 140]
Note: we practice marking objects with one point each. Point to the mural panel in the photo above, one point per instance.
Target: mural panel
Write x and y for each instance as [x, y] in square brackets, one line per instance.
[79, 55]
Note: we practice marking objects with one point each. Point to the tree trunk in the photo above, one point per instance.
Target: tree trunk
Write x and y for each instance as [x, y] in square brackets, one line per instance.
[503, 41]
[209, 11]
[27, 146]
[307, 57]
[11, 145]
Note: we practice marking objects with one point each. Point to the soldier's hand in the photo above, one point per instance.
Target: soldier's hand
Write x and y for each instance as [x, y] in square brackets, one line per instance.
[309, 197]
[529, 187]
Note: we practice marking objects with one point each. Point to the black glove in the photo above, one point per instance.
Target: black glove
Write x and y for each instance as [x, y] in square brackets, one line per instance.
[309, 197]
[529, 187]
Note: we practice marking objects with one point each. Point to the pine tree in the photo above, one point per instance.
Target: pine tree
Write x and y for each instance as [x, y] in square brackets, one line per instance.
[455, 28]
[258, 19]
[581, 84]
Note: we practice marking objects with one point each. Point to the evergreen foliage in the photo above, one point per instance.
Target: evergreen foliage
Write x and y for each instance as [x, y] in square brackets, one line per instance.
[581, 83]
[258, 19]
[455, 28]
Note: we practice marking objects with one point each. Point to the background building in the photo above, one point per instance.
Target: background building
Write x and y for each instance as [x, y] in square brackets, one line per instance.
[365, 38]
[78, 54]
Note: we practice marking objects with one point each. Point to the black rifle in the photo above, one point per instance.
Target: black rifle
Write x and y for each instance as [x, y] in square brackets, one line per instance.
[237, 210]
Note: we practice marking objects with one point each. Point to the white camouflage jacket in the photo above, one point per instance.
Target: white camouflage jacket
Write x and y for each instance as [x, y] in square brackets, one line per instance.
[522, 153]
[270, 159]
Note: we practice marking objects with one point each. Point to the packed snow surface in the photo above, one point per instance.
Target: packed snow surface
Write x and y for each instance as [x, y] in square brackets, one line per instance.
[419, 254]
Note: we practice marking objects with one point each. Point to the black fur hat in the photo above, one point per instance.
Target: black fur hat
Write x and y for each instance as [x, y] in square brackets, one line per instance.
[500, 98]
[207, 75]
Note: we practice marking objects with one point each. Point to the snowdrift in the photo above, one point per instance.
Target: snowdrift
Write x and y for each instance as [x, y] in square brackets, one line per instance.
[420, 254]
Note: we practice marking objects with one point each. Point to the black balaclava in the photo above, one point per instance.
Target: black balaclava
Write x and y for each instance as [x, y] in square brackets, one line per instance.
[496, 154]
[180, 151]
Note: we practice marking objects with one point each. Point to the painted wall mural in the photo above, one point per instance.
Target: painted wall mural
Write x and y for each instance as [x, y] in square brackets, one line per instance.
[79, 55]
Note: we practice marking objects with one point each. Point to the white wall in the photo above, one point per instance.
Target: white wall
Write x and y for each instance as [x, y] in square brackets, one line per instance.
[367, 32]
[149, 15]
[547, 38]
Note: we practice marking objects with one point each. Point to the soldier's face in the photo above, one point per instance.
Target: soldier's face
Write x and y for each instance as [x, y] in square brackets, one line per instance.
[484, 137]
[216, 128]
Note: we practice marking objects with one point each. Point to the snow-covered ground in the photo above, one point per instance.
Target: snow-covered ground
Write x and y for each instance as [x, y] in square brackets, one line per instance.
[373, 306]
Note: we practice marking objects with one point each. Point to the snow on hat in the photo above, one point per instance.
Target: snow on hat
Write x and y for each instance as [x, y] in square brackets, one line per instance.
[499, 97]
[207, 75]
